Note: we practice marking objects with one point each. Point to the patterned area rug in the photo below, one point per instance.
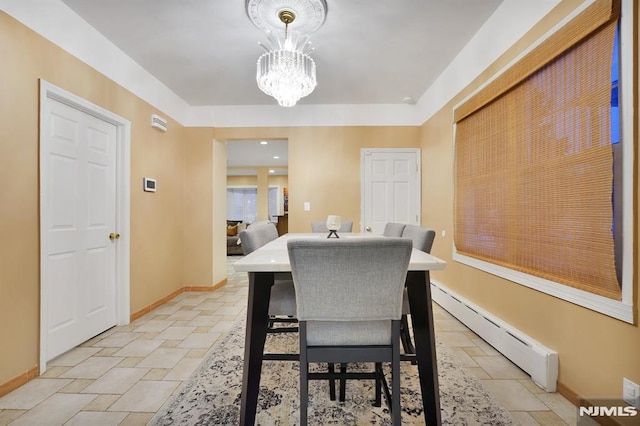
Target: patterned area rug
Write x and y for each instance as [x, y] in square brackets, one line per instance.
[212, 395]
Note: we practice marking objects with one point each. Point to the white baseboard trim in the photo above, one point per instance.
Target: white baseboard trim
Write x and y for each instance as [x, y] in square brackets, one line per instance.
[540, 362]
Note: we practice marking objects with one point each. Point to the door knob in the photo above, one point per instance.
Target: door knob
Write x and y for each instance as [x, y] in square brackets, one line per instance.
[368, 229]
[114, 236]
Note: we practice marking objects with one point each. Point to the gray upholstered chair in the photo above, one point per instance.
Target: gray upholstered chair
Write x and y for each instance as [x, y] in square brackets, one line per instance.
[422, 237]
[256, 235]
[283, 299]
[392, 229]
[349, 304]
[422, 240]
[318, 227]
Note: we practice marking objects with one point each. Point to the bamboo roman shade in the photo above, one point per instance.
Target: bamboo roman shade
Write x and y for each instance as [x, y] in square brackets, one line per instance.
[534, 163]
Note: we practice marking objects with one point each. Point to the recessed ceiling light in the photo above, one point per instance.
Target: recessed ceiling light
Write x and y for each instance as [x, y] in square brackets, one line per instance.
[409, 100]
[272, 171]
[275, 157]
[264, 143]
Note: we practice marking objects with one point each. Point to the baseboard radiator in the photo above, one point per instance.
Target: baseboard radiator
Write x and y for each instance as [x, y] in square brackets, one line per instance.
[540, 362]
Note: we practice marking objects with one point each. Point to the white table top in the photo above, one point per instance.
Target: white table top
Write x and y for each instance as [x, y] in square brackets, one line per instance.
[274, 257]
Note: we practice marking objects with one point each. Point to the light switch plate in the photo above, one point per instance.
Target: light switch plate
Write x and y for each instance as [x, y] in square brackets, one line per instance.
[307, 206]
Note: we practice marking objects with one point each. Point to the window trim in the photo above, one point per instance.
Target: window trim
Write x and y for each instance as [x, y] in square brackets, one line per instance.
[619, 309]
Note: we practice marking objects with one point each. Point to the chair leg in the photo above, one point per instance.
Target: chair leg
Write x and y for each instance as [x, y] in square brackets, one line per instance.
[405, 336]
[304, 394]
[343, 381]
[379, 379]
[395, 377]
[332, 383]
[304, 372]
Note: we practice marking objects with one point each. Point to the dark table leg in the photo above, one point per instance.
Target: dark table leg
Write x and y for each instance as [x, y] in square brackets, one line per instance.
[257, 320]
[419, 292]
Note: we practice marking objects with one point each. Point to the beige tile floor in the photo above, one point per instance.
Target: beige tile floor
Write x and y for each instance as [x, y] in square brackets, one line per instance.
[124, 376]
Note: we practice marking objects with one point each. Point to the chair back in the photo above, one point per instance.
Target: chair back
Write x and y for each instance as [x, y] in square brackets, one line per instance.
[256, 236]
[422, 237]
[349, 280]
[321, 227]
[392, 229]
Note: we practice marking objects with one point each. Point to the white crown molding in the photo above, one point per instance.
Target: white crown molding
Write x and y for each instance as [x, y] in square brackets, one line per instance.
[56, 22]
[304, 115]
[59, 24]
[512, 20]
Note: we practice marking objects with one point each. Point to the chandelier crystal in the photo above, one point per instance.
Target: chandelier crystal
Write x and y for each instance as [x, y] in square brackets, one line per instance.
[286, 71]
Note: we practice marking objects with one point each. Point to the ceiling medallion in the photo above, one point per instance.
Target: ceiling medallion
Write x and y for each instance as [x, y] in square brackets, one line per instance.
[310, 14]
[286, 71]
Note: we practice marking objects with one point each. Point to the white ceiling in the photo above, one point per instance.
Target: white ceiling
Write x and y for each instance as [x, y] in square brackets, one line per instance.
[244, 155]
[367, 52]
[194, 60]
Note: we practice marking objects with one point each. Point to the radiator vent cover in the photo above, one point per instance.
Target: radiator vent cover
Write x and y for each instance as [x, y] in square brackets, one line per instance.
[158, 122]
[530, 355]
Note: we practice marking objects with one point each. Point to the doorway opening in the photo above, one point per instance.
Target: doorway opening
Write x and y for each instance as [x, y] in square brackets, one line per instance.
[257, 181]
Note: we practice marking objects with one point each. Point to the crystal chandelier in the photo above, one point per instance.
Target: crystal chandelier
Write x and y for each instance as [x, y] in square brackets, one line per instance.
[286, 71]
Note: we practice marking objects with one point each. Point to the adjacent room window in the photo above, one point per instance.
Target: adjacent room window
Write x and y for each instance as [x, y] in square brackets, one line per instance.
[276, 203]
[536, 190]
[242, 203]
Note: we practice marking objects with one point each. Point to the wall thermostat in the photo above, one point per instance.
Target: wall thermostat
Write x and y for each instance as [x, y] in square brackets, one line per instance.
[149, 184]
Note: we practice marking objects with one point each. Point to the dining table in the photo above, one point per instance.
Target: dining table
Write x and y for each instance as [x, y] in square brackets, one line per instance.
[273, 258]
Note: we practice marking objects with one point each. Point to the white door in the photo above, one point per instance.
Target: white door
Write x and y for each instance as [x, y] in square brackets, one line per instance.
[78, 187]
[390, 187]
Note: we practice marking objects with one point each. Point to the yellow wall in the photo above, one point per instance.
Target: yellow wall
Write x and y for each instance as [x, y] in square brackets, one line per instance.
[19, 261]
[263, 193]
[198, 226]
[242, 180]
[219, 218]
[170, 229]
[595, 351]
[281, 180]
[177, 233]
[324, 165]
[162, 229]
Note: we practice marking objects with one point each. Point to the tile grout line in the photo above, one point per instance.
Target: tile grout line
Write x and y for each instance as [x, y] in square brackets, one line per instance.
[228, 304]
